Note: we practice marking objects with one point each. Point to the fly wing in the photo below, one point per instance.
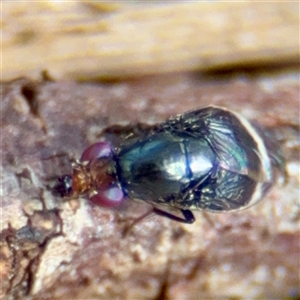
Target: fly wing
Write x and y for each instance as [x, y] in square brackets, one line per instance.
[232, 146]
[227, 135]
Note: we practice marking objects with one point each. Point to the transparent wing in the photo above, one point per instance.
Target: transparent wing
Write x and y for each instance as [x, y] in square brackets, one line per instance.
[234, 146]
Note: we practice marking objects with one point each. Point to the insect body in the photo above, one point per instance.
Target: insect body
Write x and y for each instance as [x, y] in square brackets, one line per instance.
[210, 159]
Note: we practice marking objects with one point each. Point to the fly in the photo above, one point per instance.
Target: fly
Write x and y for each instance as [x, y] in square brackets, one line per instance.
[208, 159]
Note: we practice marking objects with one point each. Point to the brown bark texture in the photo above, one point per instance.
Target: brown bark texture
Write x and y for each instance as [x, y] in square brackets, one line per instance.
[51, 248]
[56, 249]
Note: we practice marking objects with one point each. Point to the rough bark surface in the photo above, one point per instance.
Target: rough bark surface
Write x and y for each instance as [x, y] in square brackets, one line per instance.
[56, 249]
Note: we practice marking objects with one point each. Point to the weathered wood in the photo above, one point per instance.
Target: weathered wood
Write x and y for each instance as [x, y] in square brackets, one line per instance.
[78, 40]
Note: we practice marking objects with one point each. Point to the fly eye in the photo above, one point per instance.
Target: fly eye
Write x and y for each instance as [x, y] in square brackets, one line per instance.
[97, 150]
[110, 197]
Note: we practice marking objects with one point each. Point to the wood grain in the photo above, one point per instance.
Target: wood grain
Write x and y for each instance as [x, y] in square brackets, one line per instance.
[84, 41]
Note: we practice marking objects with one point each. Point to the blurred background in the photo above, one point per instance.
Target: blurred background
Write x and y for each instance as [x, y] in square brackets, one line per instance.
[90, 40]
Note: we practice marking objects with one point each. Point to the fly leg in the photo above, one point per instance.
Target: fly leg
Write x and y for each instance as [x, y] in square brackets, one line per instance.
[136, 221]
[188, 217]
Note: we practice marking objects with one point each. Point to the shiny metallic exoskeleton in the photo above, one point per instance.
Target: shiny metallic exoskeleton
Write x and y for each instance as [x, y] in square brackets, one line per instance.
[210, 159]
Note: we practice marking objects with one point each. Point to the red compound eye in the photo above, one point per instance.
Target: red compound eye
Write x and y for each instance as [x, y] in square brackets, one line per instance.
[95, 151]
[110, 197]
